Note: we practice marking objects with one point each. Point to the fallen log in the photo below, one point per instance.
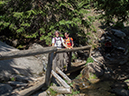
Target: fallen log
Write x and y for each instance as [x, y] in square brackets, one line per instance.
[61, 90]
[63, 75]
[63, 83]
[30, 90]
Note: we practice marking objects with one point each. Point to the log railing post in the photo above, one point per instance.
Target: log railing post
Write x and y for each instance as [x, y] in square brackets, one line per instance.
[49, 69]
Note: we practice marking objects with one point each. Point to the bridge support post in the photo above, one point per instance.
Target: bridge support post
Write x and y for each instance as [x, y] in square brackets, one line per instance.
[49, 69]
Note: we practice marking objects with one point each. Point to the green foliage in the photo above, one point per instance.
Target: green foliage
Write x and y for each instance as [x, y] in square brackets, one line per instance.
[73, 56]
[12, 79]
[40, 19]
[111, 9]
[92, 76]
[52, 92]
[89, 60]
[73, 93]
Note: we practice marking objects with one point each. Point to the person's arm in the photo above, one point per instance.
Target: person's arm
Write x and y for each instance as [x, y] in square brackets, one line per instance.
[63, 42]
[53, 40]
[53, 44]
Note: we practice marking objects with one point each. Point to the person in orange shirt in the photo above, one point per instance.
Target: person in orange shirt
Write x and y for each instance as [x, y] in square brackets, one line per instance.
[68, 41]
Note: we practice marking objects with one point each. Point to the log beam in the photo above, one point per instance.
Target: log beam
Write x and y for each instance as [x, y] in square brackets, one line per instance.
[24, 53]
[74, 49]
[61, 90]
[63, 75]
[63, 83]
[49, 69]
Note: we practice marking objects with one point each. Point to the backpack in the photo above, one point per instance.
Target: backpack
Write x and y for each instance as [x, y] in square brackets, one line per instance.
[55, 39]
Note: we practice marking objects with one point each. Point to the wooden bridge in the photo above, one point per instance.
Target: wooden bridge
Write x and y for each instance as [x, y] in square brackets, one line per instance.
[51, 70]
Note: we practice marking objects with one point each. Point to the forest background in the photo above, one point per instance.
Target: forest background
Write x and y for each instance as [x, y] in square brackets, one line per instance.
[36, 20]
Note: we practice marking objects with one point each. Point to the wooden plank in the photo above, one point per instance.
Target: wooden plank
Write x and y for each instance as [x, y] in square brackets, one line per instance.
[61, 90]
[30, 90]
[49, 68]
[60, 79]
[63, 75]
[23, 53]
[74, 49]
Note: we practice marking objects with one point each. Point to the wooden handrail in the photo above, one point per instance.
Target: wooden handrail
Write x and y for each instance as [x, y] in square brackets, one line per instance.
[74, 49]
[31, 52]
[24, 53]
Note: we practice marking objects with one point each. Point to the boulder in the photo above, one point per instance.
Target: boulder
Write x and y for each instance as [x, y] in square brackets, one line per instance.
[119, 33]
[92, 70]
[41, 57]
[5, 89]
[26, 66]
[120, 92]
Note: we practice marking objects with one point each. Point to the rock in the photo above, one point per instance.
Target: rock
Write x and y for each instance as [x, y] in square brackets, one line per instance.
[26, 66]
[120, 92]
[123, 62]
[102, 39]
[127, 82]
[120, 48]
[92, 68]
[5, 89]
[24, 79]
[119, 33]
[41, 57]
[119, 85]
[98, 56]
[15, 42]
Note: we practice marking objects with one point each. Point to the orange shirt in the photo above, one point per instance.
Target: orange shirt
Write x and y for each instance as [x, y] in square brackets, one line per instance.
[68, 42]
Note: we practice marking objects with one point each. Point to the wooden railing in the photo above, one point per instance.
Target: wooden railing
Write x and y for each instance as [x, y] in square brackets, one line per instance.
[51, 51]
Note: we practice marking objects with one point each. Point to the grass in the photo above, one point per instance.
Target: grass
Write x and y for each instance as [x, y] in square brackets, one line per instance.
[12, 79]
[89, 60]
[92, 76]
[73, 93]
[52, 92]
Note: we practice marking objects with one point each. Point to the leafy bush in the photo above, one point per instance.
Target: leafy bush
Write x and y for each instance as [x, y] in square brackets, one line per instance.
[111, 10]
[39, 19]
